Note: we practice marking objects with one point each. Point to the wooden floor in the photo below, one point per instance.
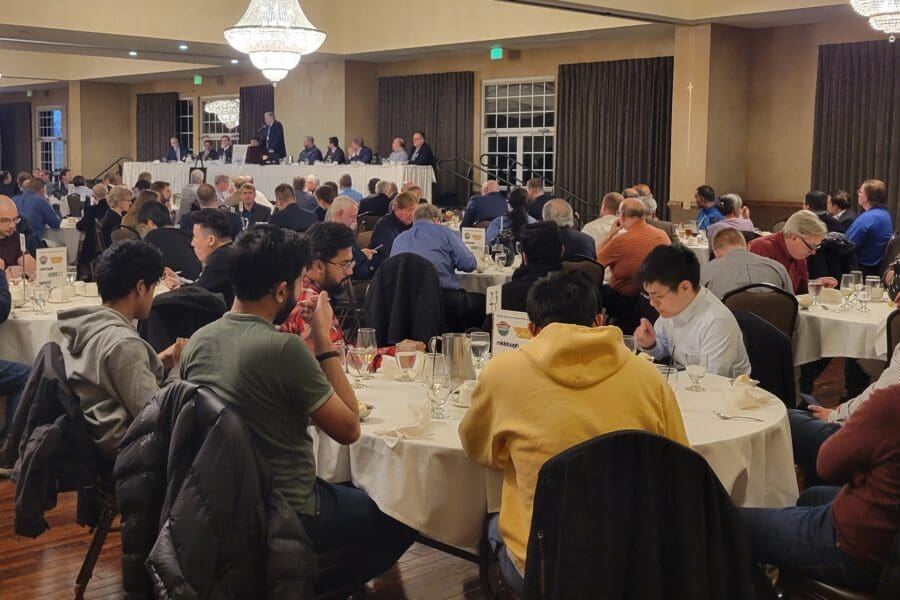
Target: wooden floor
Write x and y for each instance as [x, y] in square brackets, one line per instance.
[46, 567]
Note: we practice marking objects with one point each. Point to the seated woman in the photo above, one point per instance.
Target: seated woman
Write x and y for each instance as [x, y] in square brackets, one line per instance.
[515, 219]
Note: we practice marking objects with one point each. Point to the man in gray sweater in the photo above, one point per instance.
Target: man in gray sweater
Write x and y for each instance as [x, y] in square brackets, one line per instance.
[114, 371]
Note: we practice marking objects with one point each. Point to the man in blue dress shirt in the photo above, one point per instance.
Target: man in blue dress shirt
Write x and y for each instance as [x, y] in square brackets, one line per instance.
[345, 188]
[872, 230]
[486, 207]
[33, 206]
[708, 204]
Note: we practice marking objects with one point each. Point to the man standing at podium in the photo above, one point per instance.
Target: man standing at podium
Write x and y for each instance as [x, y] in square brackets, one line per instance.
[273, 135]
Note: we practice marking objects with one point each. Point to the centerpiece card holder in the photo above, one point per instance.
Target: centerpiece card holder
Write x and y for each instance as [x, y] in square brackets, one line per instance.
[474, 239]
[510, 331]
[51, 266]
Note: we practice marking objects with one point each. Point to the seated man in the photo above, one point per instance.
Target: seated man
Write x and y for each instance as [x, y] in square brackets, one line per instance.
[34, 207]
[279, 387]
[209, 151]
[445, 250]
[345, 188]
[398, 151]
[624, 254]
[708, 207]
[841, 535]
[289, 215]
[359, 152]
[838, 206]
[207, 197]
[344, 210]
[387, 228]
[575, 243]
[211, 242]
[871, 231]
[12, 259]
[13, 375]
[486, 207]
[817, 201]
[189, 193]
[537, 198]
[800, 238]
[310, 153]
[650, 206]
[380, 203]
[332, 263]
[735, 266]
[325, 195]
[597, 386]
[114, 371]
[737, 216]
[175, 244]
[250, 209]
[542, 248]
[609, 212]
[691, 319]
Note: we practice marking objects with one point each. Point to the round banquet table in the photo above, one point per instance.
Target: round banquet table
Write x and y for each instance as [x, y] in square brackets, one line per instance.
[430, 485]
[479, 282]
[23, 334]
[66, 236]
[827, 333]
[700, 250]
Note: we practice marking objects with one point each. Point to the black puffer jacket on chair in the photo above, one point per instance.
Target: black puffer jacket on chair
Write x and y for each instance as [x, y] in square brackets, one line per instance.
[200, 515]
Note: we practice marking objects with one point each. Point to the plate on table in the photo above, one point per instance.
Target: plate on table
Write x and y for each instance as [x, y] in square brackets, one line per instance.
[365, 409]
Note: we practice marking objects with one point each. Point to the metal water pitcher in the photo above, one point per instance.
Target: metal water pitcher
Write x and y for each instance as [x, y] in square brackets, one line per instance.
[457, 350]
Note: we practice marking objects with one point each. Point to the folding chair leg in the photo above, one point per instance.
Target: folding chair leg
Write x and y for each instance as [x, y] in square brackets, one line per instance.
[93, 554]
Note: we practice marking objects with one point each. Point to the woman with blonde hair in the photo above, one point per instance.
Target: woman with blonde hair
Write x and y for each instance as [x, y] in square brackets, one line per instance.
[119, 200]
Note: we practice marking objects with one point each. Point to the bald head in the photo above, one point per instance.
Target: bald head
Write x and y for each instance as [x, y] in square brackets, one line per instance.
[631, 193]
[490, 187]
[631, 209]
[8, 214]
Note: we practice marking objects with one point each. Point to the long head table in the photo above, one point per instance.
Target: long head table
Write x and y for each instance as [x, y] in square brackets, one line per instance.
[268, 177]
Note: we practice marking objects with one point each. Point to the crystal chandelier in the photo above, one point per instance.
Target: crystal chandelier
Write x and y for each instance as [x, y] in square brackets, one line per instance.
[275, 33]
[883, 15]
[227, 111]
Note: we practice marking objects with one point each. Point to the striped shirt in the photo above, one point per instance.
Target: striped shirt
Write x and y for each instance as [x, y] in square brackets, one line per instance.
[888, 378]
[741, 267]
[625, 253]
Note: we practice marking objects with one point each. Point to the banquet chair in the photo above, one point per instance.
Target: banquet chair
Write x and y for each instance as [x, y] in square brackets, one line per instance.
[348, 307]
[590, 267]
[631, 514]
[484, 223]
[893, 333]
[124, 232]
[363, 239]
[178, 314]
[771, 356]
[74, 203]
[768, 301]
[366, 222]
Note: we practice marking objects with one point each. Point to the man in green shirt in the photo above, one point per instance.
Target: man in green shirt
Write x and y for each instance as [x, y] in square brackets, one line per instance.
[277, 385]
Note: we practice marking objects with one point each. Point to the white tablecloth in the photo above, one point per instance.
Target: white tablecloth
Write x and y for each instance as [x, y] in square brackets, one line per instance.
[431, 486]
[66, 236]
[480, 282]
[823, 333]
[23, 334]
[701, 250]
[268, 177]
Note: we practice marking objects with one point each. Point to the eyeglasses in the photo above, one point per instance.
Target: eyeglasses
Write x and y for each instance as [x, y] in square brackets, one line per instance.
[345, 266]
[655, 297]
[10, 221]
[811, 248]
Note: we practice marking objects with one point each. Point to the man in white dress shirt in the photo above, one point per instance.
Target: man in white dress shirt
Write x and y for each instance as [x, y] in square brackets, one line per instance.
[609, 210]
[398, 151]
[691, 318]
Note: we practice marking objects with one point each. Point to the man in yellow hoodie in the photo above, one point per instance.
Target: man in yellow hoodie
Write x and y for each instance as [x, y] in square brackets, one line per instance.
[573, 381]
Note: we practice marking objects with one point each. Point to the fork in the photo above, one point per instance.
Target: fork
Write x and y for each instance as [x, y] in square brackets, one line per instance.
[730, 417]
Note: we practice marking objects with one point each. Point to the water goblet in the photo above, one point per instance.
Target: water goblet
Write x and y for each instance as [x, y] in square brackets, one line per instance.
[815, 288]
[481, 345]
[696, 364]
[365, 339]
[406, 356]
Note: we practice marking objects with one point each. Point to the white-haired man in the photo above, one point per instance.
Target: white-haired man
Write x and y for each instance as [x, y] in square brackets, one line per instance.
[189, 193]
[486, 207]
[800, 238]
[575, 243]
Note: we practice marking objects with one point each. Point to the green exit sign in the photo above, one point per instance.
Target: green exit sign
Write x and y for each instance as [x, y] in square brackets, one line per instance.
[198, 79]
[496, 53]
[29, 93]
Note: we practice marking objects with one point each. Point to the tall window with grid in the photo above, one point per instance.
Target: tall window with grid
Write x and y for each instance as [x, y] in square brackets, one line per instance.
[519, 130]
[186, 123]
[51, 143]
[219, 116]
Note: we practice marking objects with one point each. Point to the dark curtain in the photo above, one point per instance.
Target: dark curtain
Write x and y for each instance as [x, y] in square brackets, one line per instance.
[157, 121]
[256, 101]
[857, 122]
[614, 129]
[16, 143]
[441, 105]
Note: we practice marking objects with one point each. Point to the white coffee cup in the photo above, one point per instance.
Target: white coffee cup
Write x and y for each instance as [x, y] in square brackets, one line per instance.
[57, 295]
[80, 287]
[90, 290]
[465, 393]
[877, 293]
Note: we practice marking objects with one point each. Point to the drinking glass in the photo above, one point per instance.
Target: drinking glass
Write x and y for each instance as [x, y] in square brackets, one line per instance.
[365, 339]
[41, 294]
[245, 223]
[500, 258]
[437, 385]
[857, 277]
[863, 295]
[356, 358]
[71, 275]
[406, 359]
[481, 345]
[815, 288]
[630, 343]
[695, 364]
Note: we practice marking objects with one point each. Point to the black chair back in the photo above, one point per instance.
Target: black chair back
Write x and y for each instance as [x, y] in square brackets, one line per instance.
[893, 333]
[180, 313]
[771, 356]
[590, 267]
[634, 515]
[366, 222]
[74, 203]
[767, 301]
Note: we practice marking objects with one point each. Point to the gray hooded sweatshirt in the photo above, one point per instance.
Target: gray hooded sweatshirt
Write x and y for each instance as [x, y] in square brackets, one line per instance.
[113, 371]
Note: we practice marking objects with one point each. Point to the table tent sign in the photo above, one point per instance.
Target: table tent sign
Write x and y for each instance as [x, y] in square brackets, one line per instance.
[51, 266]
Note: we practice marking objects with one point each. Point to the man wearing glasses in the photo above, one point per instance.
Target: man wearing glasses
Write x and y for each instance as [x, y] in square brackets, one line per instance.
[12, 259]
[800, 238]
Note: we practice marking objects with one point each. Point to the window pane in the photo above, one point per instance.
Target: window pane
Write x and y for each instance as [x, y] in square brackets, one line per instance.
[490, 122]
[526, 89]
[501, 121]
[512, 121]
[492, 144]
[548, 120]
[514, 90]
[501, 91]
[490, 106]
[490, 91]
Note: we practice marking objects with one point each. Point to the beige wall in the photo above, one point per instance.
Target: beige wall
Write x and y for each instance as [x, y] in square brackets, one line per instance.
[105, 125]
[311, 101]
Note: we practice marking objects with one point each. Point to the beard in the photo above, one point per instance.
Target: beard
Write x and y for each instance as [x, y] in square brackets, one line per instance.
[287, 307]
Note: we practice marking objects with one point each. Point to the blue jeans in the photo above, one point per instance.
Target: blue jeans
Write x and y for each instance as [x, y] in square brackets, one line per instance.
[346, 516]
[514, 580]
[803, 539]
[12, 381]
[808, 434]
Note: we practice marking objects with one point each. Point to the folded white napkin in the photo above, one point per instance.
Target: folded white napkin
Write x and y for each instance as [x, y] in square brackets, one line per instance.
[390, 368]
[418, 429]
[745, 396]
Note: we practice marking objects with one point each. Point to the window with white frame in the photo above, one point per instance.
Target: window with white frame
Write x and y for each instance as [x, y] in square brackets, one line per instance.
[519, 129]
[51, 142]
[186, 123]
[219, 116]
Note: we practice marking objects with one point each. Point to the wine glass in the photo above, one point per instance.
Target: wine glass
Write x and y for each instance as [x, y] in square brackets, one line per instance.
[863, 295]
[500, 258]
[857, 277]
[437, 385]
[630, 343]
[41, 294]
[696, 364]
[481, 345]
[815, 288]
[365, 339]
[406, 356]
[356, 359]
[846, 290]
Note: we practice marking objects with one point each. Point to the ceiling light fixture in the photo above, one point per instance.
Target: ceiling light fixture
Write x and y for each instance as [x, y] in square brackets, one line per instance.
[132, 53]
[276, 34]
[227, 111]
[183, 47]
[883, 15]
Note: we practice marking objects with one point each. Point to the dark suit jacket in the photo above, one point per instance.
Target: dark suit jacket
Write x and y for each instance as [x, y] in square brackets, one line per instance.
[214, 276]
[666, 226]
[422, 155]
[379, 204]
[536, 208]
[831, 224]
[309, 155]
[211, 155]
[226, 153]
[176, 249]
[172, 157]
[482, 208]
[305, 200]
[387, 228]
[111, 219]
[336, 156]
[258, 213]
[273, 139]
[577, 243]
[294, 218]
[234, 223]
[846, 219]
[364, 156]
[515, 292]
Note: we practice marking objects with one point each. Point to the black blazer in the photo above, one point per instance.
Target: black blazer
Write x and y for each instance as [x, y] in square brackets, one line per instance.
[214, 276]
[176, 249]
[227, 152]
[111, 219]
[310, 155]
[258, 213]
[337, 156]
[846, 220]
[273, 139]
[234, 223]
[379, 204]
[210, 155]
[422, 155]
[577, 243]
[172, 157]
[364, 156]
[294, 218]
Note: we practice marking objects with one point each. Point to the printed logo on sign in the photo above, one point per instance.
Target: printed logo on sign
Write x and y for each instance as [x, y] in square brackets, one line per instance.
[43, 260]
[503, 328]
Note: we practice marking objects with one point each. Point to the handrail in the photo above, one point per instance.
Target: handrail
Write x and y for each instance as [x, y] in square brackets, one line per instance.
[471, 167]
[115, 163]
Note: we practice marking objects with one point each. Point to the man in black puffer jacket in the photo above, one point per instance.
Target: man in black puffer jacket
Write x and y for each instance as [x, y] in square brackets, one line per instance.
[208, 524]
